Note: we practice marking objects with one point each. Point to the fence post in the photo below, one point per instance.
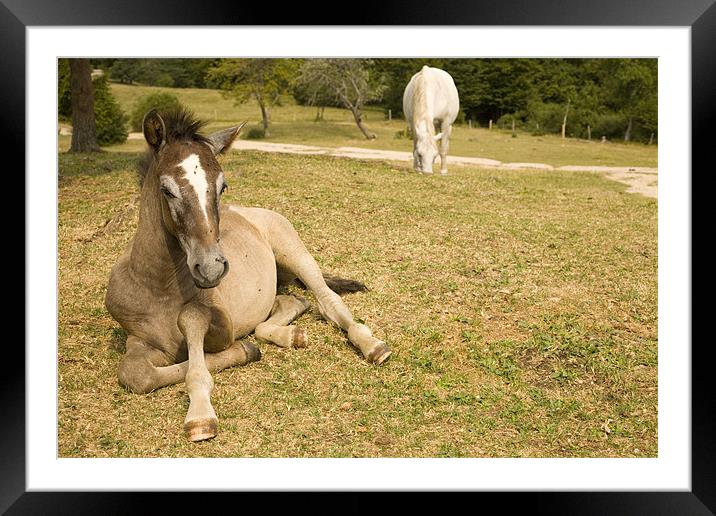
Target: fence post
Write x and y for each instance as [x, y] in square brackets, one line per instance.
[390, 115]
[490, 124]
[469, 123]
[589, 132]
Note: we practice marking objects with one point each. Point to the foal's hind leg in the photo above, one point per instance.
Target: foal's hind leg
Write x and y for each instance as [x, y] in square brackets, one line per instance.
[275, 329]
[292, 255]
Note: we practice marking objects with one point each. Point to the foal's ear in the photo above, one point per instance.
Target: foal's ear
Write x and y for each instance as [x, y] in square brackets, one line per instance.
[222, 140]
[154, 131]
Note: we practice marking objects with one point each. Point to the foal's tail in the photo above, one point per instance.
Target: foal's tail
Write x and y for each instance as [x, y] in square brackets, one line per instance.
[339, 285]
[343, 285]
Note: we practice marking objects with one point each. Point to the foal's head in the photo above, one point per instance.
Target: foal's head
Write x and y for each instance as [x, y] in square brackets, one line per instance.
[190, 184]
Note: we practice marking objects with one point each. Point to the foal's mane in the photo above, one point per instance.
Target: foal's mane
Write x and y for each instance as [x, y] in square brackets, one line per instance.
[181, 126]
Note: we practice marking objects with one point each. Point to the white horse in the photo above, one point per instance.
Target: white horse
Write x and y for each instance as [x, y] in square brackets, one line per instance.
[430, 99]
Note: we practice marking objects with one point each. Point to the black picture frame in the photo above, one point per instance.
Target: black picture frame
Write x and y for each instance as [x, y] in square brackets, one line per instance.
[699, 15]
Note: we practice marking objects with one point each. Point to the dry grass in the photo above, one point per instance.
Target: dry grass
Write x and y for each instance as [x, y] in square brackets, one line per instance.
[521, 308]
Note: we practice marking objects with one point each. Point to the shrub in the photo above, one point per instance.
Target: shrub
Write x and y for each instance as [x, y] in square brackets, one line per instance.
[255, 133]
[505, 121]
[109, 118]
[159, 101]
[544, 118]
[611, 125]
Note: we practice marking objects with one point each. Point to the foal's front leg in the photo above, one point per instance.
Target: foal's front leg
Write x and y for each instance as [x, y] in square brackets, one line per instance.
[200, 422]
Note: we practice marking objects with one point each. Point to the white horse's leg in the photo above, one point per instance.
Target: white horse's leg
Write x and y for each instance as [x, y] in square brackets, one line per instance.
[292, 255]
[444, 144]
[276, 328]
[200, 422]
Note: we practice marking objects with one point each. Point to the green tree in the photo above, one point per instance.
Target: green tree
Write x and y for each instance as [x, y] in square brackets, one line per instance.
[110, 121]
[64, 96]
[84, 130]
[264, 80]
[396, 73]
[170, 72]
[352, 82]
[540, 93]
[161, 101]
[629, 89]
[126, 71]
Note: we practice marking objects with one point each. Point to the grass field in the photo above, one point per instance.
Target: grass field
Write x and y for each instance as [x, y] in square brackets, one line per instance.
[521, 308]
[295, 124]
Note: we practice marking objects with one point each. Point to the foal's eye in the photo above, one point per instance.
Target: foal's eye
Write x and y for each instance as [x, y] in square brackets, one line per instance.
[224, 187]
[167, 193]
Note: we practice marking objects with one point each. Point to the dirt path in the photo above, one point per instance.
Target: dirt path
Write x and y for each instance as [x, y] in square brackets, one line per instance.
[641, 180]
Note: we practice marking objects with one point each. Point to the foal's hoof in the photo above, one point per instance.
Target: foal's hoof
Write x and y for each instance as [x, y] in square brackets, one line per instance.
[201, 429]
[379, 354]
[299, 339]
[253, 353]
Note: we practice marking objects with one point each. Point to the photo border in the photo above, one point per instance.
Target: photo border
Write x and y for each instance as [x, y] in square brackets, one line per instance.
[700, 16]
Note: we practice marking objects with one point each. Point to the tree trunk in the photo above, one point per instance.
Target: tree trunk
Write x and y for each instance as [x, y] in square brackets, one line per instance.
[564, 121]
[627, 134]
[589, 133]
[319, 113]
[265, 118]
[84, 130]
[359, 122]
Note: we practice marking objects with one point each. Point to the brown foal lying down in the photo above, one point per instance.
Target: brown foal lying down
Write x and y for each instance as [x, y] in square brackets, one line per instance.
[198, 275]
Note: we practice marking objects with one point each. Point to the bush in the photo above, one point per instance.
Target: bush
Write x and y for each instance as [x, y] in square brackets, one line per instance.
[505, 121]
[109, 118]
[546, 118]
[255, 133]
[611, 125]
[158, 101]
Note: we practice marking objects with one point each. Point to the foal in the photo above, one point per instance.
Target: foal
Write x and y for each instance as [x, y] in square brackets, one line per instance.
[198, 275]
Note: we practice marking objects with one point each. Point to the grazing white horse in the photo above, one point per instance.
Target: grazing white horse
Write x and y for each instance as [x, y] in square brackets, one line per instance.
[430, 99]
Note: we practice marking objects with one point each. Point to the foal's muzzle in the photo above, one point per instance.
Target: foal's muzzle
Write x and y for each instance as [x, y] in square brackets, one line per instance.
[209, 269]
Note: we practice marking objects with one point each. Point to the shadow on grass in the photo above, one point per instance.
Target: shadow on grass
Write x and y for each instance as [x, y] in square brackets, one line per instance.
[93, 164]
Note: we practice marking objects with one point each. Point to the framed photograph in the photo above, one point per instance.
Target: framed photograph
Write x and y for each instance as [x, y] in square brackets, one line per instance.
[583, 403]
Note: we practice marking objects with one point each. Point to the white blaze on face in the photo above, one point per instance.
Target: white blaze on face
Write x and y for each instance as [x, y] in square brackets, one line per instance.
[195, 174]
